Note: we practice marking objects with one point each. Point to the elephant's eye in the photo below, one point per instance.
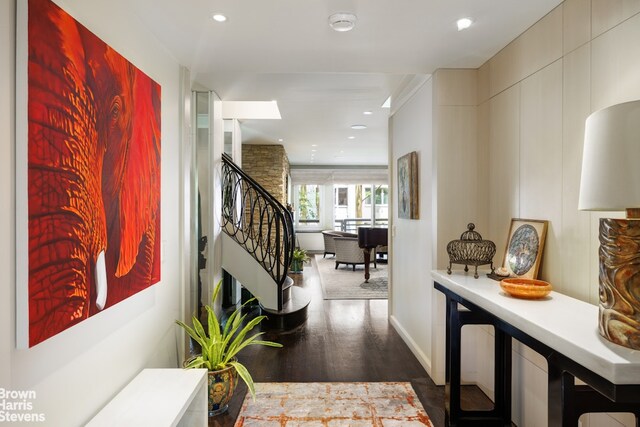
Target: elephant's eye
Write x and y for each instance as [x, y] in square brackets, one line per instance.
[115, 110]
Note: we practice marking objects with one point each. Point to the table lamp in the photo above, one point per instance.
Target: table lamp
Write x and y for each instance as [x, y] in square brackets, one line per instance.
[610, 181]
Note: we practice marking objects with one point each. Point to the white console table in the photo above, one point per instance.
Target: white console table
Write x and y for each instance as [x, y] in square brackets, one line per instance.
[562, 329]
[159, 397]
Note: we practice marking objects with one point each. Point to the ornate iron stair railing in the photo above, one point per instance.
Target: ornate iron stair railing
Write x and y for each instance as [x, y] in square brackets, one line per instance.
[258, 222]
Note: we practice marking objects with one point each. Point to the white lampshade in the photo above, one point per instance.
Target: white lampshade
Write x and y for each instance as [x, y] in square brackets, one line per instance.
[610, 178]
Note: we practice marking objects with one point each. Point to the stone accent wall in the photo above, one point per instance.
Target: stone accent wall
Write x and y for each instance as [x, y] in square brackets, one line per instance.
[269, 166]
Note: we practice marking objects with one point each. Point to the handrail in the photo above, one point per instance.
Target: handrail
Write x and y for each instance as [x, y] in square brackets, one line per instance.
[257, 221]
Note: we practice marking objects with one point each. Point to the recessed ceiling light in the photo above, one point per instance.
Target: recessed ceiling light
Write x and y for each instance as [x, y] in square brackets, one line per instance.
[280, 139]
[313, 151]
[367, 113]
[358, 127]
[342, 21]
[218, 17]
[464, 23]
[314, 145]
[351, 137]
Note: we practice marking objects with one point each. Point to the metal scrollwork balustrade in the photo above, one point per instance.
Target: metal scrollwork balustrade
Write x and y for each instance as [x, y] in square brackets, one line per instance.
[257, 221]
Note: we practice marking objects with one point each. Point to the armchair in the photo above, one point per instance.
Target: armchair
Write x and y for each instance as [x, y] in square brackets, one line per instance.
[329, 244]
[348, 252]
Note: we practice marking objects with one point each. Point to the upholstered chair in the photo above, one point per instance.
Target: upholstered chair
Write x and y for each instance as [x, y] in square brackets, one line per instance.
[329, 245]
[348, 252]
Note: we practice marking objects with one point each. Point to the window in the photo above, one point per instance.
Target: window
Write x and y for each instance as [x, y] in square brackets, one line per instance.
[354, 206]
[367, 195]
[341, 205]
[382, 195]
[308, 204]
[342, 196]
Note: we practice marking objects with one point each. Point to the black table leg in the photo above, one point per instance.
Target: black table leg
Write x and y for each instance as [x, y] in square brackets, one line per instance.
[502, 375]
[454, 341]
[567, 401]
[561, 401]
[500, 415]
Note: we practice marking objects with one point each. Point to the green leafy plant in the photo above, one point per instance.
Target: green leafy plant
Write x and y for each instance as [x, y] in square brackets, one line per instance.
[300, 255]
[221, 345]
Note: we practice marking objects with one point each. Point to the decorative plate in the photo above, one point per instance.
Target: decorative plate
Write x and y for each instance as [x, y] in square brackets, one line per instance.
[523, 249]
[525, 288]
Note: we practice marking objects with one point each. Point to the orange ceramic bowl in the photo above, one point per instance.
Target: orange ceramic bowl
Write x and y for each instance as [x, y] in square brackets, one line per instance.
[525, 288]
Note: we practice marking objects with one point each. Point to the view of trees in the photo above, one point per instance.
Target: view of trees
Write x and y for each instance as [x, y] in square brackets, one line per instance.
[348, 201]
[309, 202]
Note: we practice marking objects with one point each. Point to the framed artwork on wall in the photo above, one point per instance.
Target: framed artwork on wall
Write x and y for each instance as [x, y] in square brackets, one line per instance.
[408, 195]
[525, 246]
[87, 174]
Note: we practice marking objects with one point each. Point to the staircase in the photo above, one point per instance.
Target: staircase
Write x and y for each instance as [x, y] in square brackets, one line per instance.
[257, 247]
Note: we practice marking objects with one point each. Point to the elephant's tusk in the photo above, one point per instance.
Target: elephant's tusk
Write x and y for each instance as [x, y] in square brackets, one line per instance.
[101, 281]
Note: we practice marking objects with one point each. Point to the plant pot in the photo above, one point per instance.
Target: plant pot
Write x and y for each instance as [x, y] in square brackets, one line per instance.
[222, 384]
[296, 266]
[220, 387]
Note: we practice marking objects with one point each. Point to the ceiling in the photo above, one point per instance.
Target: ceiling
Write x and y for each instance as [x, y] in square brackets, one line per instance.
[323, 80]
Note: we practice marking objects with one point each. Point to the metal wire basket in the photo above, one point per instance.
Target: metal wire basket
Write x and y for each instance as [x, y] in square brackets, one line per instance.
[471, 250]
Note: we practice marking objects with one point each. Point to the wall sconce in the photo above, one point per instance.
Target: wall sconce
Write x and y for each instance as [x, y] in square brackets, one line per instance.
[610, 181]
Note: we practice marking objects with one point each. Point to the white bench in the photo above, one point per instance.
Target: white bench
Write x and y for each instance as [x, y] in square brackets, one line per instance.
[158, 397]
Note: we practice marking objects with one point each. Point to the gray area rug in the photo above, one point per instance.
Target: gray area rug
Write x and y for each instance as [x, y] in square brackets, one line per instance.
[344, 283]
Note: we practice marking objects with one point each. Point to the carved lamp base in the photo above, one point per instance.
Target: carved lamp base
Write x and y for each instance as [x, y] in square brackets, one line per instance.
[619, 319]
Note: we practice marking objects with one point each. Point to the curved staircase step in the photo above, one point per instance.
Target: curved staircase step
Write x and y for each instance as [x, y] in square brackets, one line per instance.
[287, 290]
[293, 314]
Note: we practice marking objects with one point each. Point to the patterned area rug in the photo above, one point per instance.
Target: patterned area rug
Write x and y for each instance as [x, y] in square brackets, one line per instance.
[344, 283]
[333, 405]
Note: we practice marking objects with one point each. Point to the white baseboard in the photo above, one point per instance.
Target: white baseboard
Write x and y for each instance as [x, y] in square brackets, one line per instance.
[417, 352]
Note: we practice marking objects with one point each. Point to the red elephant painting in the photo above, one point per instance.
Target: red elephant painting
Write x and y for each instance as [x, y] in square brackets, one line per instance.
[93, 174]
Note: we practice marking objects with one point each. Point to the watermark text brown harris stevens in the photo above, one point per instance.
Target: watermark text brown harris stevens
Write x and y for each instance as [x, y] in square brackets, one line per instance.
[18, 406]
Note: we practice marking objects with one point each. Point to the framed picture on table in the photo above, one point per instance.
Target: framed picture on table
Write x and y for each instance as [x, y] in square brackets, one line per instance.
[525, 245]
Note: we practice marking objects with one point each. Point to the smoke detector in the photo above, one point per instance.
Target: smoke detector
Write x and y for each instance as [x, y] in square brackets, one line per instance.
[342, 21]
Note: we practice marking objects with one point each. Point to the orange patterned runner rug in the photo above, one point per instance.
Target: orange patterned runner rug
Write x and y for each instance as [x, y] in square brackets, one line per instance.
[380, 404]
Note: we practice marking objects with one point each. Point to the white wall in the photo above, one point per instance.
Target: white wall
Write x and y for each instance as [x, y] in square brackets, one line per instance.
[439, 122]
[507, 142]
[76, 372]
[310, 241]
[459, 195]
[535, 95]
[411, 288]
[7, 153]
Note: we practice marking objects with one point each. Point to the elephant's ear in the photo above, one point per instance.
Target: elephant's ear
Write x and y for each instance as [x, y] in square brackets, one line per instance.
[140, 194]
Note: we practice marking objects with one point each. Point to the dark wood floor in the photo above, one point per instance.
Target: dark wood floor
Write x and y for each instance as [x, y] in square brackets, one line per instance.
[343, 340]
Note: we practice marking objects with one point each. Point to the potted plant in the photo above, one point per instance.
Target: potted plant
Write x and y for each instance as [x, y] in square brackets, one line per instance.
[220, 345]
[299, 258]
